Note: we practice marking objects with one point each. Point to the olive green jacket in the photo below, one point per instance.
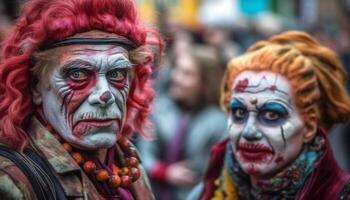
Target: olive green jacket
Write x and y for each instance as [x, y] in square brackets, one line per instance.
[15, 185]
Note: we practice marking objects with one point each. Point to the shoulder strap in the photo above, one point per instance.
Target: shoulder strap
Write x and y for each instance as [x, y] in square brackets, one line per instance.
[59, 191]
[15, 158]
[43, 181]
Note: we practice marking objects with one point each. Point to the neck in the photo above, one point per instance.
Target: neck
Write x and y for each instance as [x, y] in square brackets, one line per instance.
[101, 155]
[98, 154]
[254, 181]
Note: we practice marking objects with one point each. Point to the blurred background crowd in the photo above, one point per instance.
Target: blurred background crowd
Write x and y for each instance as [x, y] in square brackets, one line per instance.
[201, 36]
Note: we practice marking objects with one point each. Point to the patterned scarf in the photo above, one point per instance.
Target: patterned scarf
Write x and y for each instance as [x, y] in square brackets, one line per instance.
[235, 184]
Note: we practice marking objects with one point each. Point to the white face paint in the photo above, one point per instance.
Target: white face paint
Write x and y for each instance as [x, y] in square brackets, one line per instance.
[85, 98]
[264, 125]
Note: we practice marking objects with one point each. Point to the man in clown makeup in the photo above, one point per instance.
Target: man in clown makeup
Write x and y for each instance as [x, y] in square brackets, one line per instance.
[74, 85]
[281, 97]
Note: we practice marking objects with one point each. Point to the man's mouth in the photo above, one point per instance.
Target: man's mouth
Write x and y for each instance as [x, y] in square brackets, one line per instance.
[98, 123]
[254, 152]
[83, 126]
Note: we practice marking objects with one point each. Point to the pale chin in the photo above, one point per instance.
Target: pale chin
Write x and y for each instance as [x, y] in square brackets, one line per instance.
[253, 169]
[96, 141]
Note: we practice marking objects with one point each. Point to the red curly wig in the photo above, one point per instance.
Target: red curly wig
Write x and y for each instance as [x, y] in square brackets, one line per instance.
[44, 22]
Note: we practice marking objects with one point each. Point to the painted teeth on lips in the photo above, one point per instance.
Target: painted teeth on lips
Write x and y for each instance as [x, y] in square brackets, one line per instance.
[255, 153]
[98, 120]
[254, 148]
[101, 116]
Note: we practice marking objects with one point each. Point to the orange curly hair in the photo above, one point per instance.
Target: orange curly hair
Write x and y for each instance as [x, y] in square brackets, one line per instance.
[316, 75]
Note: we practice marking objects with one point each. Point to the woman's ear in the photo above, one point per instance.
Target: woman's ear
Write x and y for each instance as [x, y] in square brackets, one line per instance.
[309, 130]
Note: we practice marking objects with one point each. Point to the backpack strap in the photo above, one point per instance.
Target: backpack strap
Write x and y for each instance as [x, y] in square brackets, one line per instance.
[59, 191]
[43, 181]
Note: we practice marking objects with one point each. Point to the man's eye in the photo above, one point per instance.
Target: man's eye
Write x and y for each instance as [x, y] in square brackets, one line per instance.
[239, 115]
[78, 75]
[116, 75]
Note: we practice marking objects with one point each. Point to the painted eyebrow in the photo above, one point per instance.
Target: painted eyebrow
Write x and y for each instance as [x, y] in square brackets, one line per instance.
[237, 102]
[79, 63]
[287, 104]
[121, 63]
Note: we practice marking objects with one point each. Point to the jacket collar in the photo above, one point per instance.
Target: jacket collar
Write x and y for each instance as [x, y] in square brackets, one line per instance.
[327, 179]
[63, 164]
[70, 175]
[51, 148]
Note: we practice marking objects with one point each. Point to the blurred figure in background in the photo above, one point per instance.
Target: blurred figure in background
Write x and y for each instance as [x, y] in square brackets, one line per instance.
[221, 39]
[188, 122]
[8, 13]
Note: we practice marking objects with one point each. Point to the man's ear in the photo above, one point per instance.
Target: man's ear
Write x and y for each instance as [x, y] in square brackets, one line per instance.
[309, 130]
[131, 75]
[36, 93]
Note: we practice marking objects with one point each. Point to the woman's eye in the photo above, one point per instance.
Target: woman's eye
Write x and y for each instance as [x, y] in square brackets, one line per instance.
[239, 115]
[117, 75]
[273, 114]
[78, 75]
[272, 118]
[269, 115]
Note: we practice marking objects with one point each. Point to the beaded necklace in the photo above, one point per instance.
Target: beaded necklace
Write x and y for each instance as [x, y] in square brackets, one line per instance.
[121, 176]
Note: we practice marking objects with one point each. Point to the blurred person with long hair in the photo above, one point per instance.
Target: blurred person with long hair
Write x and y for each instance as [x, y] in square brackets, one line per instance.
[187, 123]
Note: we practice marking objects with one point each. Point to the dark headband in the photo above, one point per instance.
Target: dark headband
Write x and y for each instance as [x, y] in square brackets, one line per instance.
[97, 41]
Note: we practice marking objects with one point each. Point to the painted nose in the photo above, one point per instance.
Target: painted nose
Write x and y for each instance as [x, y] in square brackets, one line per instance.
[106, 96]
[101, 96]
[251, 132]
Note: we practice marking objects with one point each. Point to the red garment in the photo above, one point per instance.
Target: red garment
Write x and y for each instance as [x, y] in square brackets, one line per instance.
[326, 182]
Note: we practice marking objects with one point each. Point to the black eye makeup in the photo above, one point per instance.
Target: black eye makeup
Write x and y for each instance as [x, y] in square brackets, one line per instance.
[273, 114]
[239, 112]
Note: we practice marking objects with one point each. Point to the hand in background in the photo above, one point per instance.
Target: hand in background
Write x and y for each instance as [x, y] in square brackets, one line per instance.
[179, 174]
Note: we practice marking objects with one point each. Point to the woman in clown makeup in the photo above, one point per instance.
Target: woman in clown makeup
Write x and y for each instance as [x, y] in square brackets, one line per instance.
[281, 97]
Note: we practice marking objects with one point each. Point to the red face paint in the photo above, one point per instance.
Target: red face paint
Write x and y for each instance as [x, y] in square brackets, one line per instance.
[253, 170]
[254, 152]
[279, 160]
[273, 88]
[106, 96]
[79, 91]
[242, 85]
[81, 128]
[86, 104]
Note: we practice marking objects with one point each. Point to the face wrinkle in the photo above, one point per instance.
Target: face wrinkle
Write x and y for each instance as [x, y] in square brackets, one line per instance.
[71, 99]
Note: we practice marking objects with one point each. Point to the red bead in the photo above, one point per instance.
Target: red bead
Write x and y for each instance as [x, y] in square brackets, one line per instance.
[132, 153]
[124, 143]
[132, 161]
[116, 170]
[89, 167]
[126, 181]
[115, 181]
[124, 171]
[102, 175]
[67, 147]
[135, 173]
[78, 158]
